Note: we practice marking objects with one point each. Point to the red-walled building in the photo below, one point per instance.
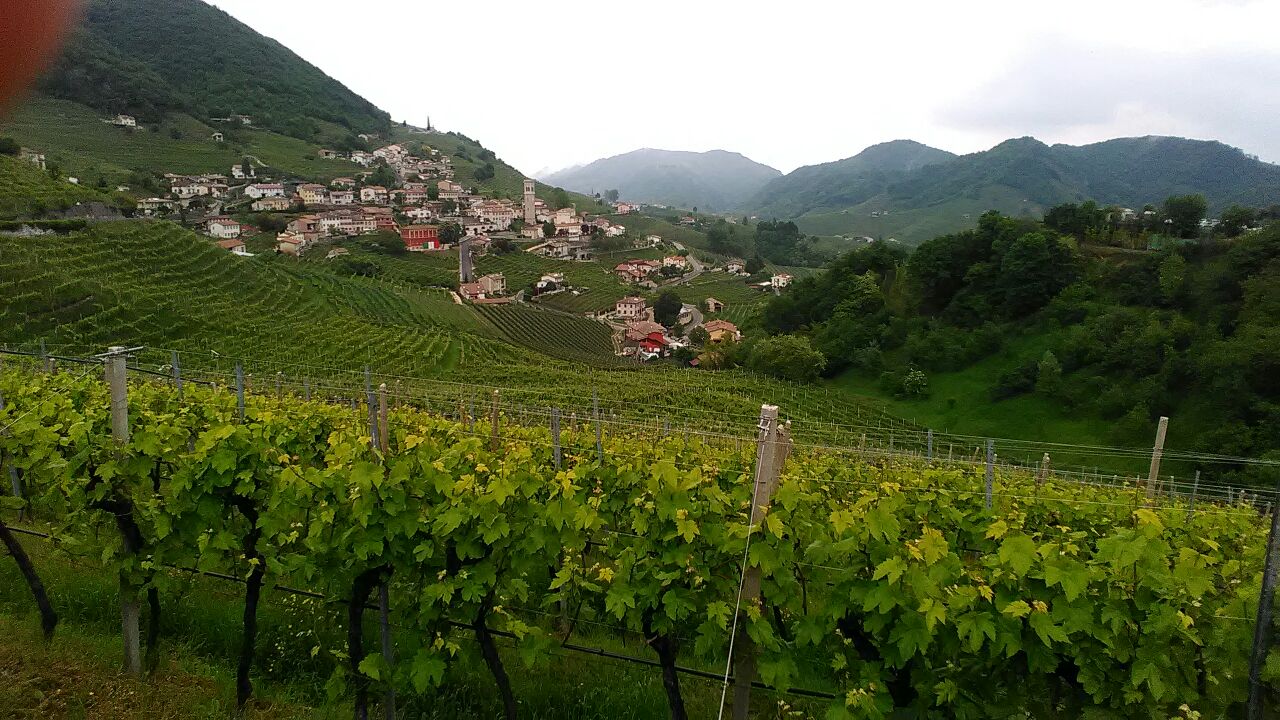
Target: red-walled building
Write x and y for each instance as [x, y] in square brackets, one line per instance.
[421, 237]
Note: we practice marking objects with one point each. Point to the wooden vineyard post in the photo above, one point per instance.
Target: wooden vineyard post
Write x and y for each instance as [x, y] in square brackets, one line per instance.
[239, 392]
[555, 435]
[1156, 453]
[1262, 628]
[990, 473]
[384, 432]
[378, 441]
[118, 382]
[493, 419]
[15, 483]
[773, 445]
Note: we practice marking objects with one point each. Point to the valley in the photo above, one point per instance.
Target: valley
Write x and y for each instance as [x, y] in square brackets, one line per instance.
[312, 411]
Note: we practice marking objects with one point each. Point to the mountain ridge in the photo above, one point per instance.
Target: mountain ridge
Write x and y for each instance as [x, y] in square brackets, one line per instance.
[716, 180]
[865, 195]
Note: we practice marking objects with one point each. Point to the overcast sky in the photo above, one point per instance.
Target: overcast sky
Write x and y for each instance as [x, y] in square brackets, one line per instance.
[559, 82]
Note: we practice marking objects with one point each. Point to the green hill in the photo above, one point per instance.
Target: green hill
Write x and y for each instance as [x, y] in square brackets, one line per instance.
[152, 58]
[908, 191]
[1012, 329]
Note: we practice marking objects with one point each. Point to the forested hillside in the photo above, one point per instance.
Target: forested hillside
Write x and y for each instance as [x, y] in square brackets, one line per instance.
[1014, 310]
[910, 192]
[149, 58]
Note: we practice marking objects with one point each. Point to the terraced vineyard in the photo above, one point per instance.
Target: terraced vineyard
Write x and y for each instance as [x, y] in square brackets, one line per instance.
[564, 336]
[157, 284]
[522, 269]
[25, 188]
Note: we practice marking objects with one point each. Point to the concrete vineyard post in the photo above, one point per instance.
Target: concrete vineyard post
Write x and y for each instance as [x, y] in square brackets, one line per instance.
[306, 389]
[1156, 453]
[595, 413]
[384, 432]
[928, 451]
[279, 386]
[177, 371]
[1043, 474]
[773, 445]
[44, 357]
[990, 473]
[1262, 628]
[555, 435]
[239, 392]
[117, 381]
[372, 408]
[493, 419]
[1195, 487]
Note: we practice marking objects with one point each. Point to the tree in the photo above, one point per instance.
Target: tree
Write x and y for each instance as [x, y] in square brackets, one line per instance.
[433, 193]
[560, 199]
[1173, 273]
[1048, 375]
[699, 336]
[755, 265]
[915, 384]
[548, 229]
[789, 357]
[9, 146]
[484, 172]
[666, 309]
[1235, 219]
[1184, 213]
[450, 233]
[246, 166]
[611, 196]
[382, 175]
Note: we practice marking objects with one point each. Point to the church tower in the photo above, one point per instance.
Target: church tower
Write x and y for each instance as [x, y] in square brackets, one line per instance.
[465, 272]
[530, 216]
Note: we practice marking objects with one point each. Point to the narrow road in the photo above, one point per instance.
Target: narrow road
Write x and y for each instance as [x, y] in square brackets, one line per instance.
[698, 268]
[695, 318]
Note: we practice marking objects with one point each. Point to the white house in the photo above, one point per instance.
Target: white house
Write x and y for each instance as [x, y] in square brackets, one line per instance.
[373, 194]
[224, 228]
[264, 190]
[123, 121]
[675, 261]
[342, 197]
[780, 281]
[631, 308]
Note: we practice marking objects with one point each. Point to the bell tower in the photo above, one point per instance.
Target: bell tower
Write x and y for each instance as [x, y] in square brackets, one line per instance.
[530, 216]
[465, 273]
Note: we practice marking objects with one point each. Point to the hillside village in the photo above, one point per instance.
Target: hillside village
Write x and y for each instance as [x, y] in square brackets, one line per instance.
[410, 192]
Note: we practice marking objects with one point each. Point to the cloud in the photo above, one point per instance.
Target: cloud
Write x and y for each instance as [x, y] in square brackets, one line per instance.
[1065, 90]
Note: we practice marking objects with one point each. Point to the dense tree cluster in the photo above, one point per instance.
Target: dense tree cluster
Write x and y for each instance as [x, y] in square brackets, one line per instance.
[1192, 327]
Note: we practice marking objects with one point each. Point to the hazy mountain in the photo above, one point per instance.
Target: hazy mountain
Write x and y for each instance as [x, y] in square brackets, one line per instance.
[844, 183]
[716, 180]
[939, 192]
